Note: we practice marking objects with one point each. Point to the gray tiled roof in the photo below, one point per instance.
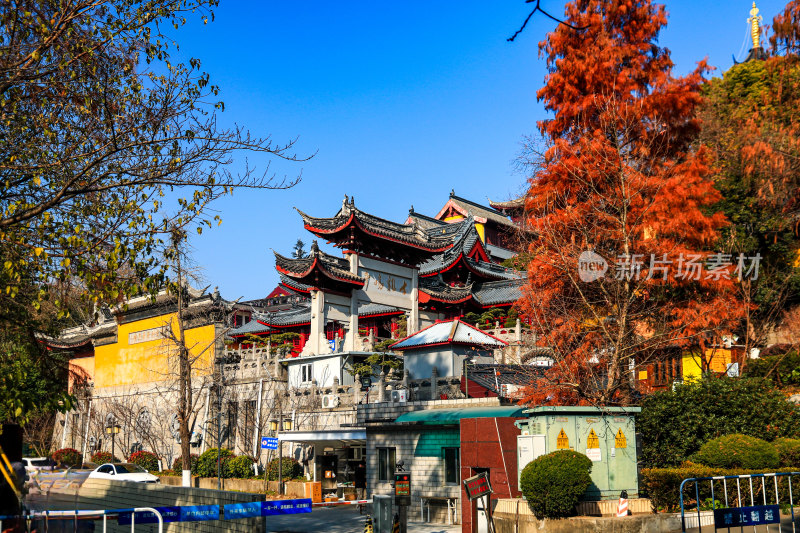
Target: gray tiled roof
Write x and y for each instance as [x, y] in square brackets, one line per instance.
[490, 376]
[299, 315]
[499, 292]
[367, 309]
[481, 211]
[408, 233]
[253, 327]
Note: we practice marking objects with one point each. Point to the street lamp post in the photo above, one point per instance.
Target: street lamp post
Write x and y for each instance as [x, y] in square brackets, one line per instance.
[284, 424]
[112, 430]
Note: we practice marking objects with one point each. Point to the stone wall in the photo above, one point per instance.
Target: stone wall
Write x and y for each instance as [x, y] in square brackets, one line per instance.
[514, 516]
[106, 494]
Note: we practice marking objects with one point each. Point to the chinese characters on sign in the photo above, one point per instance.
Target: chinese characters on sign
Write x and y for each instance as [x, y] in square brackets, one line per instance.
[146, 335]
[747, 516]
[385, 282]
[477, 486]
[715, 267]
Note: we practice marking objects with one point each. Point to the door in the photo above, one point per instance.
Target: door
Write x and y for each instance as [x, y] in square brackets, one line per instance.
[529, 447]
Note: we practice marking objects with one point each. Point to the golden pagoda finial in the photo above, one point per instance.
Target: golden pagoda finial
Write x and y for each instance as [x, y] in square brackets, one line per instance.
[755, 26]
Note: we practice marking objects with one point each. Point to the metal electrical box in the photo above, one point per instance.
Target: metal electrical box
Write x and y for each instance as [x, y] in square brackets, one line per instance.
[607, 435]
[382, 513]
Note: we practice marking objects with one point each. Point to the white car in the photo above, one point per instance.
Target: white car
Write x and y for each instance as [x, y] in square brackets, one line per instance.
[35, 464]
[123, 472]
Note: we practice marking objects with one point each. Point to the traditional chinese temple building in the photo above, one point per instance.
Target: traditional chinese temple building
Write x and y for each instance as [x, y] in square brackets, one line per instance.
[417, 273]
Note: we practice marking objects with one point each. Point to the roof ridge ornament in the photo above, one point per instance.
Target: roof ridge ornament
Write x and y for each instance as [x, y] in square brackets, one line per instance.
[314, 247]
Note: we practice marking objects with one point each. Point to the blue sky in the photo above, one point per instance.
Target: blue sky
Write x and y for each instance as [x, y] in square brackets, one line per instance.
[401, 102]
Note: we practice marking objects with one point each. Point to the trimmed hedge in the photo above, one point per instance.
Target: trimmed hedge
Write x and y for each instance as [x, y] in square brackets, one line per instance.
[104, 457]
[67, 456]
[662, 486]
[555, 482]
[291, 469]
[241, 467]
[737, 451]
[788, 451]
[207, 463]
[147, 460]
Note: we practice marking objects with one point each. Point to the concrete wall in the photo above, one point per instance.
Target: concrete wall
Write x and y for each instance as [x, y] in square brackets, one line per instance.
[514, 516]
[106, 494]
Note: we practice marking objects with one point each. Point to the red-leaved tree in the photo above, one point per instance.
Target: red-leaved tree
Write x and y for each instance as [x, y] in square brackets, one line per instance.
[786, 29]
[618, 186]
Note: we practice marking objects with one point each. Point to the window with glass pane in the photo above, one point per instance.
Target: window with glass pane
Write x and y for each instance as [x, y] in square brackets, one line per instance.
[451, 465]
[386, 463]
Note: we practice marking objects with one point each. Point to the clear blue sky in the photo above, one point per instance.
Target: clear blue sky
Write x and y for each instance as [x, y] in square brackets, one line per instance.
[403, 101]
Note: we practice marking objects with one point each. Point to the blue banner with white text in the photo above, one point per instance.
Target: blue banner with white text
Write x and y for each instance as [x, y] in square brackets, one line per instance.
[278, 507]
[242, 510]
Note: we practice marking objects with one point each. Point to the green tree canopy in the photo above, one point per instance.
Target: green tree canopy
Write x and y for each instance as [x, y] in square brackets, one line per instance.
[674, 424]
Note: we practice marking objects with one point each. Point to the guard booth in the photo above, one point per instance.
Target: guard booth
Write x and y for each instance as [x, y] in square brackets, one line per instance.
[606, 435]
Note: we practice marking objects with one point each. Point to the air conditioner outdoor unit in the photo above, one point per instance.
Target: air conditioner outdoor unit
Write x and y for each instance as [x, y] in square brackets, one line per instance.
[508, 390]
[400, 395]
[329, 401]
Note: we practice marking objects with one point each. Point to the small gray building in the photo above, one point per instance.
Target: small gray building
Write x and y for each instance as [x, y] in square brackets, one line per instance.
[446, 346]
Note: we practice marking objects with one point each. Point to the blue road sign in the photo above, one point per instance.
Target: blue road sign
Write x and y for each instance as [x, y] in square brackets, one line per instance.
[747, 516]
[269, 443]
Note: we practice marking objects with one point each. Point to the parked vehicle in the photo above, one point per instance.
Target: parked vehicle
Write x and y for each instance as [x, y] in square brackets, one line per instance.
[35, 464]
[123, 472]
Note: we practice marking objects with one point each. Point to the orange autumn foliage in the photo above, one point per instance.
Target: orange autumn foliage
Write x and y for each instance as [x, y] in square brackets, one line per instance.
[619, 178]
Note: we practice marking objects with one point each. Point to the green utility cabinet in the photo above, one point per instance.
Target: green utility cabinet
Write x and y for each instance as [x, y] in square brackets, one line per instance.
[606, 435]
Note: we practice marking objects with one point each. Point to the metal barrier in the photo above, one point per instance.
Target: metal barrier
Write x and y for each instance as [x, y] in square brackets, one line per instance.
[767, 512]
[185, 513]
[87, 514]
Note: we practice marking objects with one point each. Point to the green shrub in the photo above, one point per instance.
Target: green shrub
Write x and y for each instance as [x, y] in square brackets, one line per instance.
[662, 486]
[207, 463]
[788, 451]
[241, 467]
[555, 482]
[147, 460]
[779, 364]
[290, 470]
[67, 456]
[675, 423]
[177, 464]
[104, 457]
[737, 451]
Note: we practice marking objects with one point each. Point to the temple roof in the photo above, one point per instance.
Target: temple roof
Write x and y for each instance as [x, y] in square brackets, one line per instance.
[481, 213]
[300, 316]
[435, 289]
[499, 292]
[319, 271]
[465, 242]
[486, 294]
[423, 221]
[450, 332]
[353, 229]
[515, 204]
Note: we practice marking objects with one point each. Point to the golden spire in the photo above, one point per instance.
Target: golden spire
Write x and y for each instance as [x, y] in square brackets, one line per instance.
[755, 26]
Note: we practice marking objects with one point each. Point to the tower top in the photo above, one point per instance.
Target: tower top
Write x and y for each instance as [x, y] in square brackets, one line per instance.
[755, 26]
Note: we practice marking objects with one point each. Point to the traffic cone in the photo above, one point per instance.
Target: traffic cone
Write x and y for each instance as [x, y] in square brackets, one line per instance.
[622, 507]
[368, 525]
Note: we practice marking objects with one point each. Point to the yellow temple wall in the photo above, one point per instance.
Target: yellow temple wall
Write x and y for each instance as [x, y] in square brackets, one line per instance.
[141, 354]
